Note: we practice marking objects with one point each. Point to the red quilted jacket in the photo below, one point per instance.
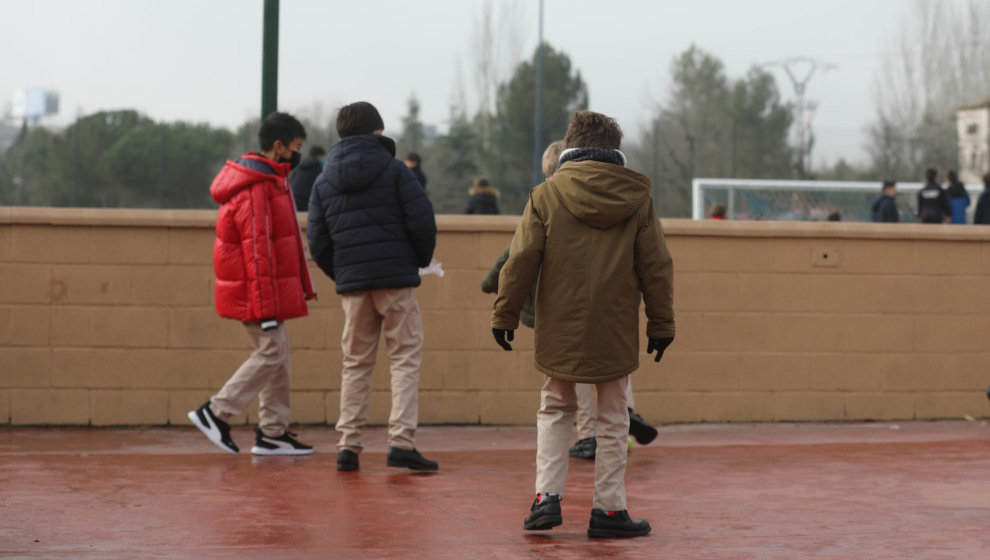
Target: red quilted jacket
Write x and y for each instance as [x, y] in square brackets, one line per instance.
[258, 256]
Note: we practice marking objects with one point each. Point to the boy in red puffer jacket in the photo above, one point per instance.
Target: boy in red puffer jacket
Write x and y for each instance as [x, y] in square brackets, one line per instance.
[262, 279]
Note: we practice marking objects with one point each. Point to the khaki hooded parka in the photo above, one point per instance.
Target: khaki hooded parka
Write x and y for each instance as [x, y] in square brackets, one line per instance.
[592, 237]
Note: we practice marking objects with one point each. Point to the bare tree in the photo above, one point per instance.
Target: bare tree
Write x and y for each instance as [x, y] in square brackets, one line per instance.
[495, 51]
[938, 59]
[319, 120]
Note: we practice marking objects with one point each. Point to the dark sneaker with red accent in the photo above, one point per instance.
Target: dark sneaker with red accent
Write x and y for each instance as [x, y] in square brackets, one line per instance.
[640, 429]
[284, 444]
[410, 459]
[544, 514]
[584, 448]
[212, 427]
[615, 524]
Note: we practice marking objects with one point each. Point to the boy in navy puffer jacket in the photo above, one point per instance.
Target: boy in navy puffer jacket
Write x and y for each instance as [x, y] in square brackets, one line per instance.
[371, 228]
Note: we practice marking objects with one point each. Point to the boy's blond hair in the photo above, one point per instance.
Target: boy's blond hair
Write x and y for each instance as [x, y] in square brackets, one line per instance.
[551, 157]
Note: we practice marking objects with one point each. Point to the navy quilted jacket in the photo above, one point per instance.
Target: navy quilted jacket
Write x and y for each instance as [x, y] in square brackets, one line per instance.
[371, 225]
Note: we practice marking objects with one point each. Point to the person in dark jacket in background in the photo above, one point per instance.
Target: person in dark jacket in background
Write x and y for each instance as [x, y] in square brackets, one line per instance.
[982, 213]
[482, 198]
[304, 175]
[884, 208]
[371, 228]
[415, 164]
[958, 197]
[933, 203]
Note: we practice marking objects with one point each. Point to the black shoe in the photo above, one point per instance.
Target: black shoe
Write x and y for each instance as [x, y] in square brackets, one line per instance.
[584, 448]
[640, 429]
[410, 459]
[544, 515]
[284, 444]
[610, 525]
[347, 460]
[214, 428]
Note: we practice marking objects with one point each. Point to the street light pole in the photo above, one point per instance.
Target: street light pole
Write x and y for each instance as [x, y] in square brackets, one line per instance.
[269, 60]
[538, 133]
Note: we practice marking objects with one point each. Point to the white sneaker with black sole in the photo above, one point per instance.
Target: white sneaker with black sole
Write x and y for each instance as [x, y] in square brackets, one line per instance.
[284, 444]
[213, 428]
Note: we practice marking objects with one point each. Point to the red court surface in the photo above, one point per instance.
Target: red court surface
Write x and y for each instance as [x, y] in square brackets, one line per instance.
[771, 491]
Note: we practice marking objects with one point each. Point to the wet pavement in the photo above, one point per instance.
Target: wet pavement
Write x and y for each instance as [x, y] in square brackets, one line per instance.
[915, 490]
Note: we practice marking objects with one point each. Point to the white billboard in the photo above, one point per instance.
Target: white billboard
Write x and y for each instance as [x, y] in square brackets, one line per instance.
[33, 103]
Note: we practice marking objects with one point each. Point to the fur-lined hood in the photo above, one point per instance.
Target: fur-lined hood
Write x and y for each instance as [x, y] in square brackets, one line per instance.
[483, 190]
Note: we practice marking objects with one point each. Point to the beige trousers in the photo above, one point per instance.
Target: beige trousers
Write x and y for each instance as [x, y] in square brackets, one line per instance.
[584, 417]
[554, 423]
[265, 374]
[368, 314]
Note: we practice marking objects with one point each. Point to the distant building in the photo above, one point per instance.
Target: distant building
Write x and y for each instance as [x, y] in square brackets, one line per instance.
[973, 132]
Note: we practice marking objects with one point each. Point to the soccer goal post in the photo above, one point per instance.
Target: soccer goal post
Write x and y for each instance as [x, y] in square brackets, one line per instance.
[776, 199]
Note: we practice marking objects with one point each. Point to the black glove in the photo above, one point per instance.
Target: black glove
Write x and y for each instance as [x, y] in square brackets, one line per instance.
[269, 324]
[501, 336]
[658, 344]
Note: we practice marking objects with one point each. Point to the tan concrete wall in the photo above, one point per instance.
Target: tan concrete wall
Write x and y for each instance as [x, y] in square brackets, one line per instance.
[106, 318]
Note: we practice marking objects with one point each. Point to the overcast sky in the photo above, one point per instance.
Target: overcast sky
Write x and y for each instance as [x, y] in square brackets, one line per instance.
[200, 60]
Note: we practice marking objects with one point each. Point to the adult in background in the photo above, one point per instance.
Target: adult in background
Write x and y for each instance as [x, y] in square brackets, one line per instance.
[415, 164]
[884, 208]
[302, 177]
[933, 203]
[958, 197]
[982, 214]
[482, 198]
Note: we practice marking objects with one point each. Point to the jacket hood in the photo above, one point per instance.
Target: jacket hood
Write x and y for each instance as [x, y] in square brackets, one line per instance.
[248, 170]
[356, 161]
[491, 191]
[600, 194]
[957, 190]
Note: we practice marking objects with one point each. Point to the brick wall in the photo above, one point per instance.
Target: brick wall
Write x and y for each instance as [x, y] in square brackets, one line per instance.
[106, 318]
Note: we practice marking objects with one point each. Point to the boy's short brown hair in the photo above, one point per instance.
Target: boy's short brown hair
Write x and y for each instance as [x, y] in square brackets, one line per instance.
[588, 129]
[551, 157]
[358, 118]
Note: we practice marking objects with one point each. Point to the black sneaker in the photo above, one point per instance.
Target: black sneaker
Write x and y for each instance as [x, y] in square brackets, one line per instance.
[545, 514]
[615, 524]
[584, 448]
[214, 428]
[410, 459]
[284, 444]
[640, 429]
[347, 460]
